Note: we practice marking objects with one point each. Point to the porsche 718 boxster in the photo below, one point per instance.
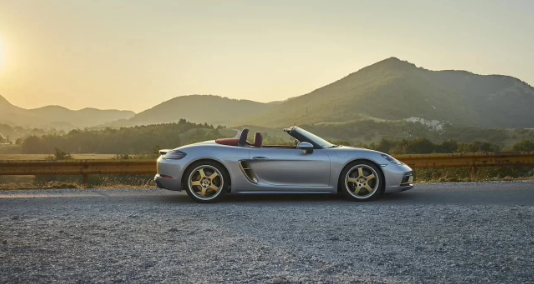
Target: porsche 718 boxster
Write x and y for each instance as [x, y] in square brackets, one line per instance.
[209, 170]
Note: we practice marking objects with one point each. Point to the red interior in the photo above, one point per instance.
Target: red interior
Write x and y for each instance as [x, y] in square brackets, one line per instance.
[228, 142]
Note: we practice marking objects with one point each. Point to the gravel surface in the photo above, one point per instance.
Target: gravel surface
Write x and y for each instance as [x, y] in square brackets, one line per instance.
[436, 233]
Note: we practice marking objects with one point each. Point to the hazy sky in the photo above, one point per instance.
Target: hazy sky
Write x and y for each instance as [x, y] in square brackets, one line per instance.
[133, 54]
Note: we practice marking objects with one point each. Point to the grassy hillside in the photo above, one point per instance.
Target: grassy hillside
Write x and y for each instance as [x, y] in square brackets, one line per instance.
[385, 91]
[199, 109]
[393, 89]
[369, 131]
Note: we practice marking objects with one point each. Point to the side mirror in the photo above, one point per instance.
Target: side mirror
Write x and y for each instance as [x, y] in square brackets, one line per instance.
[306, 147]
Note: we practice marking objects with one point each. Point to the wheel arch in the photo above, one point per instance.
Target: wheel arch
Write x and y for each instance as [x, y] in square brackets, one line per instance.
[380, 172]
[190, 165]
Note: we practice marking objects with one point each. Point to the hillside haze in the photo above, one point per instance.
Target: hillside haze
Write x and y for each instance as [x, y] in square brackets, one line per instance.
[56, 116]
[389, 90]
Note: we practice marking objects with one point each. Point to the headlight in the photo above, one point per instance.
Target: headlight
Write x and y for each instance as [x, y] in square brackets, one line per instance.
[391, 159]
[174, 155]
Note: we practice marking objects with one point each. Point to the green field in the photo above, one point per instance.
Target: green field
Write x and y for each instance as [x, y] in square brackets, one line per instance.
[44, 156]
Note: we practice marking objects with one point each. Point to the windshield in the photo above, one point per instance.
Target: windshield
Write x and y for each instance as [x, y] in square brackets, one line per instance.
[314, 139]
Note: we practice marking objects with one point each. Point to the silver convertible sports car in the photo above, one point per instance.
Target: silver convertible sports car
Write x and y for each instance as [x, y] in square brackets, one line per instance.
[208, 170]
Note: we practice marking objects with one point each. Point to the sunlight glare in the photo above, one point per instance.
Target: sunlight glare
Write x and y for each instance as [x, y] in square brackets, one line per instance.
[2, 59]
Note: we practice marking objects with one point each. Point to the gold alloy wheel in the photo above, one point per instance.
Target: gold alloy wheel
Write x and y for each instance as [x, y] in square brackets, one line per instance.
[206, 182]
[362, 181]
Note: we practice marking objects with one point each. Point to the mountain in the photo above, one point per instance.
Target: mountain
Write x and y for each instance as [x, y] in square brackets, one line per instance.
[393, 90]
[200, 109]
[389, 90]
[5, 105]
[57, 117]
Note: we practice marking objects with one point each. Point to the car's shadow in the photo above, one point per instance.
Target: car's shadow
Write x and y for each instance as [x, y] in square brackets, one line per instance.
[481, 195]
[288, 198]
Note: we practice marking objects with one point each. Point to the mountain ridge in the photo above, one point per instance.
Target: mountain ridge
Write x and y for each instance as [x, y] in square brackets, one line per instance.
[211, 109]
[391, 89]
[57, 116]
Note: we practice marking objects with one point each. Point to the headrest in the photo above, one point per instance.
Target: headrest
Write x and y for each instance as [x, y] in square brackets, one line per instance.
[258, 140]
[243, 138]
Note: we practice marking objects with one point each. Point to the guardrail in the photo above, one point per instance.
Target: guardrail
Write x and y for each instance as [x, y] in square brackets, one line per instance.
[78, 167]
[138, 167]
[467, 160]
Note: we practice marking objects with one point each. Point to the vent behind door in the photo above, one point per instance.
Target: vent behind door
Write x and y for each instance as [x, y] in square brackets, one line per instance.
[247, 170]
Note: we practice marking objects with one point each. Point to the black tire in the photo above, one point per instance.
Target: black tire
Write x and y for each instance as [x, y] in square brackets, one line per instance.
[349, 189]
[193, 191]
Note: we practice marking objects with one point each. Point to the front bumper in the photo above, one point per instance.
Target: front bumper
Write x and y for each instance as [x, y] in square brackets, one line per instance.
[398, 178]
[407, 179]
[406, 187]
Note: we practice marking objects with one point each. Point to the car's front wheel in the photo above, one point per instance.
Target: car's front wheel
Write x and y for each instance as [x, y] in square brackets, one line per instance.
[206, 181]
[361, 181]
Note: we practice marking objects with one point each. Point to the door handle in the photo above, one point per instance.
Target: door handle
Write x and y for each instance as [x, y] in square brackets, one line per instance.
[259, 158]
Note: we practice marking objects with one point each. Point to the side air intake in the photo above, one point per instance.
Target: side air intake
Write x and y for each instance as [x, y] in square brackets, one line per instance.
[247, 170]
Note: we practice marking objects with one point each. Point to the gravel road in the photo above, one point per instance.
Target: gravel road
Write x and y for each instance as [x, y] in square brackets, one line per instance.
[435, 233]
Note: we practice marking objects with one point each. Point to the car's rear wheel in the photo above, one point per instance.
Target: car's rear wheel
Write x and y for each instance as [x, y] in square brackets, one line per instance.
[361, 181]
[207, 181]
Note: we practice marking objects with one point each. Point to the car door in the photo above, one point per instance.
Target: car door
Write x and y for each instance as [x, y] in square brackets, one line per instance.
[290, 167]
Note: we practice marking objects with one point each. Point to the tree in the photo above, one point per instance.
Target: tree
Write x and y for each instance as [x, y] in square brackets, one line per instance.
[33, 145]
[524, 146]
[341, 142]
[126, 140]
[155, 150]
[449, 146]
[59, 156]
[419, 146]
[385, 145]
[478, 146]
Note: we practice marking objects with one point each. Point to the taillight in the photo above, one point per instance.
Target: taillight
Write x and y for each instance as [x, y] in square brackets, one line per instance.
[174, 155]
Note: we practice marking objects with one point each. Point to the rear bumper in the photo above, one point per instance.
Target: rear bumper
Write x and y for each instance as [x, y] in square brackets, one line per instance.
[167, 183]
[169, 174]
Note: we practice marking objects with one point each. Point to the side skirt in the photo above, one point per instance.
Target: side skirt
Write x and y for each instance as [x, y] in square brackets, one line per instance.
[283, 192]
